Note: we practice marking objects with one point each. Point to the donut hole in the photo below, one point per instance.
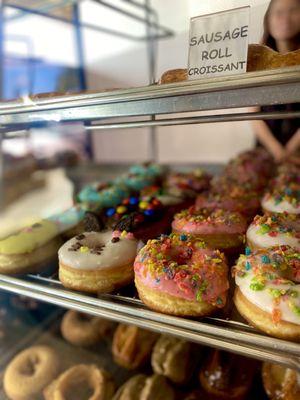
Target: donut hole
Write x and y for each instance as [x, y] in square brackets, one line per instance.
[29, 368]
[80, 387]
[93, 243]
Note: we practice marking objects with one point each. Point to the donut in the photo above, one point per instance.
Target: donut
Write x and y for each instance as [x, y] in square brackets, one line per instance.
[98, 196]
[227, 376]
[188, 184]
[132, 346]
[30, 372]
[83, 329]
[174, 358]
[220, 229]
[81, 381]
[179, 275]
[271, 230]
[174, 202]
[142, 387]
[70, 221]
[280, 382]
[236, 199]
[97, 262]
[282, 199]
[145, 217]
[147, 169]
[134, 182]
[252, 167]
[268, 291]
[29, 249]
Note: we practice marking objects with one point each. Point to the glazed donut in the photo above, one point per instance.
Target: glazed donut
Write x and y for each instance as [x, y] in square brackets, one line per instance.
[226, 376]
[178, 275]
[174, 358]
[83, 329]
[88, 382]
[268, 290]
[97, 262]
[280, 383]
[132, 346]
[30, 372]
[220, 229]
[142, 387]
[29, 249]
[272, 230]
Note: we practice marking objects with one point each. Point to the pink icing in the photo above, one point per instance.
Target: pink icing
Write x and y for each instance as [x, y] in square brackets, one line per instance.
[212, 223]
[196, 270]
[239, 204]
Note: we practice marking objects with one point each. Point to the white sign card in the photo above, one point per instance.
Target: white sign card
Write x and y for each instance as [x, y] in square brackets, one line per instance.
[219, 44]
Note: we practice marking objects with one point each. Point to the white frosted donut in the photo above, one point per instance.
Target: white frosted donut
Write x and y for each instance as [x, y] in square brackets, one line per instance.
[268, 293]
[97, 261]
[271, 230]
[270, 204]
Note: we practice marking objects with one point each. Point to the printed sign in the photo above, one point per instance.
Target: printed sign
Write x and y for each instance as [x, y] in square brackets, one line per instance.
[219, 44]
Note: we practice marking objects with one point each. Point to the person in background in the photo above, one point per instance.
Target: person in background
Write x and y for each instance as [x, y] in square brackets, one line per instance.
[281, 137]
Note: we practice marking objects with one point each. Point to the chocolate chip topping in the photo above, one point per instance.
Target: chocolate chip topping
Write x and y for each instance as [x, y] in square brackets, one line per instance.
[126, 223]
[80, 237]
[92, 222]
[115, 239]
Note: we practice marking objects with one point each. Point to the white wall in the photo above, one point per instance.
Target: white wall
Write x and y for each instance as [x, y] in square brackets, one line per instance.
[117, 62]
[182, 144]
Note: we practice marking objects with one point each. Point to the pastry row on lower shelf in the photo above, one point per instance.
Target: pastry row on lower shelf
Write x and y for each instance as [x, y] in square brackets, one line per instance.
[162, 367]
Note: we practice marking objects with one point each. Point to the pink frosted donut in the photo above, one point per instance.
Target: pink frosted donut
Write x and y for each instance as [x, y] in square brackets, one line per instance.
[219, 228]
[178, 275]
[247, 205]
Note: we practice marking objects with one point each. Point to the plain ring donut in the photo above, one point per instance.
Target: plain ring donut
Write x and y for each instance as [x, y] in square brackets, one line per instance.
[88, 382]
[84, 330]
[30, 372]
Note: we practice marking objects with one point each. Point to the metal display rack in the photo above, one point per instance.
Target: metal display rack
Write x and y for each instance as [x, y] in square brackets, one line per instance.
[247, 90]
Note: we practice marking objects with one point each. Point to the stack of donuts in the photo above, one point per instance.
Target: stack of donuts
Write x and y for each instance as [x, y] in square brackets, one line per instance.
[177, 237]
[158, 367]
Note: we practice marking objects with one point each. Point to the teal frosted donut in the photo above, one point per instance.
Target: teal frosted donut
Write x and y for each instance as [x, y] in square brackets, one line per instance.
[107, 197]
[134, 182]
[152, 170]
[68, 219]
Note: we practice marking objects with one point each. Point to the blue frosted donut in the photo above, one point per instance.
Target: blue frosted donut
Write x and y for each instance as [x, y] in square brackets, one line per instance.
[135, 182]
[152, 170]
[107, 197]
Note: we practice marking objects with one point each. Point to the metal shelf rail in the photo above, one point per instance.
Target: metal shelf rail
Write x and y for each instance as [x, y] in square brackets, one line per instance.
[220, 333]
[280, 86]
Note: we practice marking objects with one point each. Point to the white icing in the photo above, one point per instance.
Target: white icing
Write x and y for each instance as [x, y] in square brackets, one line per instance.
[269, 204]
[266, 240]
[264, 300]
[113, 255]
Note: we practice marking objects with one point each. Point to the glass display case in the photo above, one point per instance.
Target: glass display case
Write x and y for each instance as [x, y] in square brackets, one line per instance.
[34, 303]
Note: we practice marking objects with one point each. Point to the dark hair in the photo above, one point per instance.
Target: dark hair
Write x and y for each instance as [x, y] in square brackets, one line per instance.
[267, 38]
